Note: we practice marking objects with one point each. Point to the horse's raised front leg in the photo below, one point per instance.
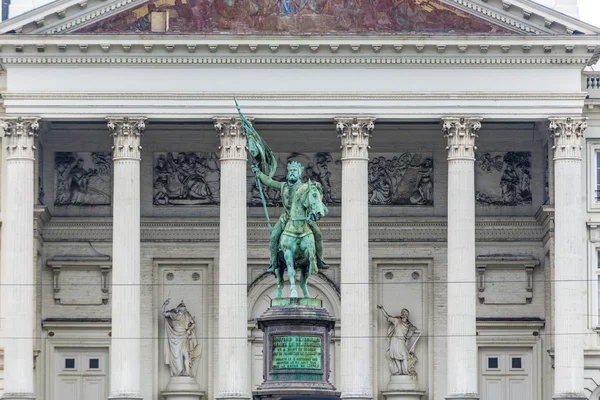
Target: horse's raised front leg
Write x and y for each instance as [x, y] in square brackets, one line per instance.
[279, 290]
[289, 261]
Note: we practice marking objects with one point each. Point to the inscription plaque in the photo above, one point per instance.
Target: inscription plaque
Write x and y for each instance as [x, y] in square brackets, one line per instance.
[296, 352]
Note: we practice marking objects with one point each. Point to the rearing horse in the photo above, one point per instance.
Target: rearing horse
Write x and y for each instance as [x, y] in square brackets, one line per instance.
[297, 242]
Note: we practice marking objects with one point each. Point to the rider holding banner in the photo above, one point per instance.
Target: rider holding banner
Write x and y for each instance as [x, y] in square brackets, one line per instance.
[288, 190]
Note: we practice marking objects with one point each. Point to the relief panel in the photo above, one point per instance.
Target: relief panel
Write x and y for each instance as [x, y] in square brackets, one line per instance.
[82, 178]
[503, 179]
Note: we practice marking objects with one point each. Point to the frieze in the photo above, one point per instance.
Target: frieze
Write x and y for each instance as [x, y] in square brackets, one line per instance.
[82, 178]
[392, 229]
[503, 179]
[186, 178]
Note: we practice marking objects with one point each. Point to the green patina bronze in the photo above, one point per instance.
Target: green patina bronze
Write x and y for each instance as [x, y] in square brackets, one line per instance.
[296, 242]
[296, 301]
[297, 353]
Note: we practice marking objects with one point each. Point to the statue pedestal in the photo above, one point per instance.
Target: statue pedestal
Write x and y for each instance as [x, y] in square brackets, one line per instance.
[296, 349]
[403, 387]
[182, 388]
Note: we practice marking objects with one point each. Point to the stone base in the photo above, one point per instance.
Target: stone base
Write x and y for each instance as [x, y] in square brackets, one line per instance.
[403, 395]
[182, 388]
[402, 383]
[125, 397]
[277, 394]
[569, 396]
[467, 396]
[18, 396]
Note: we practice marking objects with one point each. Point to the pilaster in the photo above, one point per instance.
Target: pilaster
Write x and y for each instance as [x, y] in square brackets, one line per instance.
[462, 373]
[17, 257]
[233, 361]
[570, 267]
[125, 342]
[356, 374]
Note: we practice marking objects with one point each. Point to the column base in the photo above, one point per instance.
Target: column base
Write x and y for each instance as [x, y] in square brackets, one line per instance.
[569, 396]
[125, 396]
[232, 396]
[355, 396]
[18, 396]
[403, 394]
[466, 396]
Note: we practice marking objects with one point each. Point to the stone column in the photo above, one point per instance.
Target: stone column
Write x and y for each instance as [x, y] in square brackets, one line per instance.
[17, 258]
[569, 254]
[125, 344]
[233, 372]
[462, 345]
[356, 373]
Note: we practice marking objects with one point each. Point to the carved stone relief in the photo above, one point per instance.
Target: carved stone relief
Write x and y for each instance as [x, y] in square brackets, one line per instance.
[401, 179]
[503, 179]
[185, 179]
[82, 178]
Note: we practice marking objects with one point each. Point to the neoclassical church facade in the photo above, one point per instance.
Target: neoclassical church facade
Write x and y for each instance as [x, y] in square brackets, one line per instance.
[457, 143]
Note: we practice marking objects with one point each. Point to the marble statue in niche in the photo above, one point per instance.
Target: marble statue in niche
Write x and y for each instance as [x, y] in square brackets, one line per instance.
[503, 179]
[82, 178]
[185, 179]
[402, 340]
[320, 167]
[404, 179]
[181, 345]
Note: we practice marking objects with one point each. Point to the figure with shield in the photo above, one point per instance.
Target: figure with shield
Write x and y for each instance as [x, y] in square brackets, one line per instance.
[400, 353]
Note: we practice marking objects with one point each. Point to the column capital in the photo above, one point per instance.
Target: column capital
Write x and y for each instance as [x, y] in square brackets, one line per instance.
[126, 133]
[461, 133]
[232, 138]
[567, 133]
[19, 133]
[355, 133]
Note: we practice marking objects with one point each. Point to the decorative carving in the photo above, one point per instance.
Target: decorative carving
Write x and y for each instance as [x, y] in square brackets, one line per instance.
[75, 281]
[181, 347]
[82, 178]
[461, 134]
[567, 133]
[402, 340]
[190, 178]
[19, 136]
[510, 277]
[355, 133]
[503, 179]
[405, 179]
[233, 140]
[126, 132]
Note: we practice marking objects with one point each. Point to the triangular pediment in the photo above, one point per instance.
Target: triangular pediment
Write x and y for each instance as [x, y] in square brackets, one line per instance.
[296, 17]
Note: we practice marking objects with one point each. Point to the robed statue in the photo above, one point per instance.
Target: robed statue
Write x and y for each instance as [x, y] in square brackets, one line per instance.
[181, 346]
[296, 242]
[402, 339]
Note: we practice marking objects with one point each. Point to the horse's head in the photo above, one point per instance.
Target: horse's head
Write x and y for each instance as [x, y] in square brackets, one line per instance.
[313, 202]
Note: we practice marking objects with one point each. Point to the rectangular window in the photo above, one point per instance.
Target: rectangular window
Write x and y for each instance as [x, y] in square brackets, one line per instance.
[94, 363]
[597, 175]
[515, 363]
[492, 362]
[69, 363]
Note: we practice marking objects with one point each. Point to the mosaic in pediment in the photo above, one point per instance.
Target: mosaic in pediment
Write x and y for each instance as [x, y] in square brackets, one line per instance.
[295, 17]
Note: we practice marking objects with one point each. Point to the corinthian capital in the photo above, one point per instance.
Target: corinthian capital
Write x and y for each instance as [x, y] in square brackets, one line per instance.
[567, 133]
[126, 133]
[461, 133]
[232, 139]
[19, 133]
[355, 133]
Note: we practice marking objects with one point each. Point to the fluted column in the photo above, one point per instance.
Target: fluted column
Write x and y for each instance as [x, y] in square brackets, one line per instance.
[570, 268]
[17, 258]
[233, 382]
[356, 378]
[125, 344]
[462, 345]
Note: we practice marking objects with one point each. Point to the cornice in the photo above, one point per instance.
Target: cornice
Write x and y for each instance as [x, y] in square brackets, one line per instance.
[277, 50]
[300, 96]
[390, 229]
